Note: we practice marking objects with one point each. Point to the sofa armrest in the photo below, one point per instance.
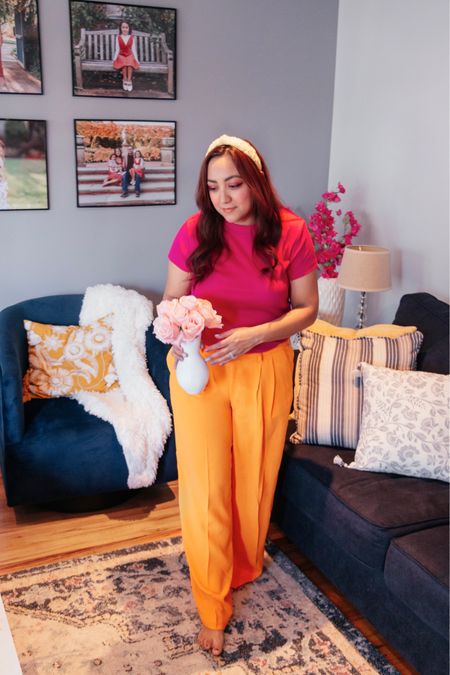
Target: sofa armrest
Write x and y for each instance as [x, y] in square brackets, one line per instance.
[431, 316]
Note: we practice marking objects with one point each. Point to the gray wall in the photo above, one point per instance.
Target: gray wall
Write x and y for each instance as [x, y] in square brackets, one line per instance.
[390, 140]
[253, 68]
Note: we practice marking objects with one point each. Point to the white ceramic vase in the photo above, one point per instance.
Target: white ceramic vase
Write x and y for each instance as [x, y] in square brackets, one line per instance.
[192, 372]
[331, 301]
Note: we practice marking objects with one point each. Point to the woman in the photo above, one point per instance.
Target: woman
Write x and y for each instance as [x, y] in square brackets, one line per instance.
[254, 261]
[115, 170]
[125, 56]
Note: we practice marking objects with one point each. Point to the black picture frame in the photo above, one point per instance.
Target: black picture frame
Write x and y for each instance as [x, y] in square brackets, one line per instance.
[100, 181]
[23, 165]
[20, 49]
[94, 32]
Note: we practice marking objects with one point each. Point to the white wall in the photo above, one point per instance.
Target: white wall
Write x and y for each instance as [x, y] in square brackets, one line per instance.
[255, 68]
[390, 139]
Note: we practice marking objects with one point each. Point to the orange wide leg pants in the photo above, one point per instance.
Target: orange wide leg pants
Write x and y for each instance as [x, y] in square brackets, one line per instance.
[230, 440]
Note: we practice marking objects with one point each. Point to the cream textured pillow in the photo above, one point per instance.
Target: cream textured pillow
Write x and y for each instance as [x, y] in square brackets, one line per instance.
[327, 391]
[405, 423]
[67, 359]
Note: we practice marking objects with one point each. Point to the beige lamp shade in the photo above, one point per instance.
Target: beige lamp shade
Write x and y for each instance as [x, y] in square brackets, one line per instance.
[365, 268]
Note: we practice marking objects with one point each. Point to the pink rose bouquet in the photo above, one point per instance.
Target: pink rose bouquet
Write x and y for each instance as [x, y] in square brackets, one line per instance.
[328, 245]
[184, 319]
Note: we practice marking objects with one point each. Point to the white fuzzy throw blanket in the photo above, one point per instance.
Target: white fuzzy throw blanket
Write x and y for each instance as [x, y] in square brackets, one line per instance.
[136, 409]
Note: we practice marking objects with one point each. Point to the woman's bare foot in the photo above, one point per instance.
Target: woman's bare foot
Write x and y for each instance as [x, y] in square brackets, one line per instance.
[211, 639]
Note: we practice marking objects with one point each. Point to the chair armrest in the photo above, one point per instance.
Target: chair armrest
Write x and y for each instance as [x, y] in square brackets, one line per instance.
[156, 353]
[80, 48]
[13, 365]
[54, 309]
[165, 48]
[2, 431]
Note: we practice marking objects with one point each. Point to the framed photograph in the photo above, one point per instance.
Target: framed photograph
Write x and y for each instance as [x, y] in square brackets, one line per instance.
[23, 165]
[125, 163]
[122, 51]
[20, 47]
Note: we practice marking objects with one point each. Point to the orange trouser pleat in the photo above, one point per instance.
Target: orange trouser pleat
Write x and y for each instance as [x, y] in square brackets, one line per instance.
[230, 441]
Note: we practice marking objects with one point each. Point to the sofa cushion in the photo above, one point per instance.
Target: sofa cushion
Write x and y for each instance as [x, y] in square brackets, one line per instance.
[417, 572]
[327, 395]
[66, 359]
[362, 511]
[431, 316]
[405, 423]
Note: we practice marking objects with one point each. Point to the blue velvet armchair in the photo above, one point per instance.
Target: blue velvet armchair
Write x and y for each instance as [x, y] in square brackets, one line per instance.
[51, 449]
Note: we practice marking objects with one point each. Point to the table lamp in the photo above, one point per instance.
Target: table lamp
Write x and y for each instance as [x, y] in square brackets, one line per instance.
[365, 269]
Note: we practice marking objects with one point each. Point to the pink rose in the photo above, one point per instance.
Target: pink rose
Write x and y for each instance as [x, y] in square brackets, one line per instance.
[212, 319]
[193, 325]
[179, 313]
[189, 301]
[165, 330]
[165, 307]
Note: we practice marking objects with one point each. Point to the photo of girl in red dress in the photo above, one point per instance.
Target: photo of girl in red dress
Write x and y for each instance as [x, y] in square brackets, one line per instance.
[120, 50]
[125, 57]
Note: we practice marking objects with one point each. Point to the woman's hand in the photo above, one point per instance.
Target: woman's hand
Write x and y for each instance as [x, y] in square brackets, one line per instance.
[232, 344]
[178, 352]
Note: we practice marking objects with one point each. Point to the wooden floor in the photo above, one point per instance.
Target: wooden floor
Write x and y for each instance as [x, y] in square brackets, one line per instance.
[30, 536]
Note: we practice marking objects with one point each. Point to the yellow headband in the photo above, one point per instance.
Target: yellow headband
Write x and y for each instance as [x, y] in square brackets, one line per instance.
[238, 143]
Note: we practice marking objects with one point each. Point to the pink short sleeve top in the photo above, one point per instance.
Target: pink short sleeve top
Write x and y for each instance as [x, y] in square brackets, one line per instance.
[236, 288]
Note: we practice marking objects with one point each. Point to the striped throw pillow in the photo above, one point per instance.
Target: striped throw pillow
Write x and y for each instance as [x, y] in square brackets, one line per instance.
[328, 394]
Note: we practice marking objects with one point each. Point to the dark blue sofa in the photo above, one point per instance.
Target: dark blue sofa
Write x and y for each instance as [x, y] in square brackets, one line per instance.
[51, 450]
[382, 539]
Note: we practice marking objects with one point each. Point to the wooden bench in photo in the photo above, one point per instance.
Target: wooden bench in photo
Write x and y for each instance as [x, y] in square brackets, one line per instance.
[96, 48]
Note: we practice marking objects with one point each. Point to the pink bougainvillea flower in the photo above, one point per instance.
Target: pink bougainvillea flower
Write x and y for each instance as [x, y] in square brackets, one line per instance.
[329, 246]
[321, 207]
[331, 197]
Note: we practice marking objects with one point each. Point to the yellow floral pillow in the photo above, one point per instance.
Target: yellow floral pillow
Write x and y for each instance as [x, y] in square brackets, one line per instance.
[67, 359]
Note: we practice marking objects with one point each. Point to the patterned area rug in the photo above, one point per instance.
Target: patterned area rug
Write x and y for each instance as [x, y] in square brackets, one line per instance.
[131, 611]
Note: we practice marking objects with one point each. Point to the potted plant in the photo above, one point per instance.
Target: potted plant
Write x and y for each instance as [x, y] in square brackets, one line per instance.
[329, 247]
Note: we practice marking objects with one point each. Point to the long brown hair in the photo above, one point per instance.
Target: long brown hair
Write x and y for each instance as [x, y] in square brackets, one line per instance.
[266, 209]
